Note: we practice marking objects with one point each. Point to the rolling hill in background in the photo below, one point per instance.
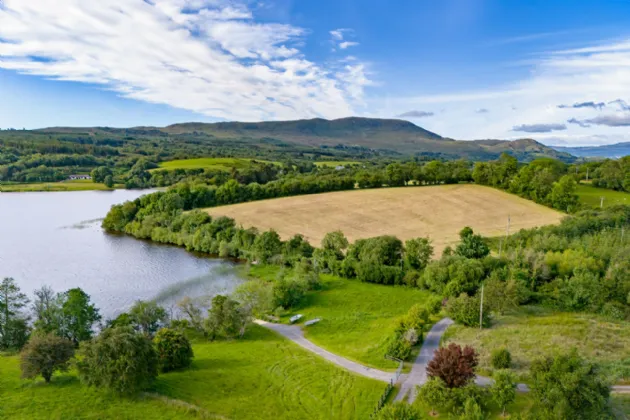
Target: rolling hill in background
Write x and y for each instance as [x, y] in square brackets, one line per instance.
[612, 151]
[388, 137]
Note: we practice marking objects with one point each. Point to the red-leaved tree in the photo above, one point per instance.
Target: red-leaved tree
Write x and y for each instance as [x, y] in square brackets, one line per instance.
[454, 365]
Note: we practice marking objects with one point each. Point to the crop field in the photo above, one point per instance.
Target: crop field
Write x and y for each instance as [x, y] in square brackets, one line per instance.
[437, 212]
[534, 332]
[356, 318]
[261, 376]
[223, 164]
[79, 185]
[592, 196]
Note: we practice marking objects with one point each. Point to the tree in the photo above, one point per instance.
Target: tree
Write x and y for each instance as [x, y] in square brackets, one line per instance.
[563, 194]
[503, 389]
[108, 181]
[120, 360]
[454, 365]
[335, 243]
[267, 245]
[471, 245]
[226, 318]
[399, 411]
[192, 312]
[44, 355]
[79, 315]
[465, 310]
[256, 296]
[433, 393]
[13, 328]
[418, 253]
[99, 174]
[173, 350]
[148, 317]
[472, 411]
[568, 387]
[47, 310]
[288, 292]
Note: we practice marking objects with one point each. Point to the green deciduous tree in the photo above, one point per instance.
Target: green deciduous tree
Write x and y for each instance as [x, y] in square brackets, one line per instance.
[418, 253]
[471, 245]
[226, 318]
[120, 360]
[399, 411]
[503, 389]
[267, 245]
[13, 326]
[47, 310]
[148, 317]
[79, 316]
[466, 310]
[434, 393]
[173, 350]
[44, 355]
[568, 387]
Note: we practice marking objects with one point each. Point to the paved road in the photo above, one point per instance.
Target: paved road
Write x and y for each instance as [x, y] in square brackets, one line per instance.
[418, 374]
[295, 334]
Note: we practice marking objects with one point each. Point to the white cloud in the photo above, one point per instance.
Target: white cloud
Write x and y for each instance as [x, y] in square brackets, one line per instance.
[207, 56]
[599, 75]
[338, 38]
[346, 44]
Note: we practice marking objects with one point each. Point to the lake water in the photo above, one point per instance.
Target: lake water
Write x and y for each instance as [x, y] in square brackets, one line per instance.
[55, 239]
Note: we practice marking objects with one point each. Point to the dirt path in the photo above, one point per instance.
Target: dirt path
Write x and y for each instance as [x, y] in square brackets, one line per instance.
[295, 334]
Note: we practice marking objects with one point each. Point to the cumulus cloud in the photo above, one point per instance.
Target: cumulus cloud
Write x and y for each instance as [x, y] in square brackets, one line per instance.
[621, 104]
[415, 114]
[207, 56]
[611, 120]
[594, 105]
[539, 128]
[338, 38]
[578, 122]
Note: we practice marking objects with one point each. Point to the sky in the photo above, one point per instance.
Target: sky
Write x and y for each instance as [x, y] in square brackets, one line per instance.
[557, 71]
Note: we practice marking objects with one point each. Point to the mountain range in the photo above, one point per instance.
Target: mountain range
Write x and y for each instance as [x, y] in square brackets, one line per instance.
[611, 151]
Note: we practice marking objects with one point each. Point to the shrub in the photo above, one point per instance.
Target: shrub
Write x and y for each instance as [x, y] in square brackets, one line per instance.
[120, 360]
[504, 388]
[289, 292]
[399, 411]
[454, 365]
[44, 355]
[434, 393]
[398, 347]
[226, 318]
[501, 359]
[614, 310]
[434, 305]
[173, 350]
[465, 310]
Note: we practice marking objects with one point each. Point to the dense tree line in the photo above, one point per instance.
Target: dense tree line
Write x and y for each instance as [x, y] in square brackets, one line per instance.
[612, 174]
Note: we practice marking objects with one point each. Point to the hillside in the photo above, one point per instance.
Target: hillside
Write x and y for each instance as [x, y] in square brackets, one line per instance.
[611, 151]
[386, 135]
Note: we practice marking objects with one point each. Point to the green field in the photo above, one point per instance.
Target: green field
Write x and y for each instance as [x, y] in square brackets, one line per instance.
[261, 376]
[592, 196]
[222, 164]
[79, 185]
[356, 318]
[534, 332]
[335, 163]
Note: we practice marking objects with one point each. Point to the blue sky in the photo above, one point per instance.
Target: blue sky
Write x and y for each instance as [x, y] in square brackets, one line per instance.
[554, 70]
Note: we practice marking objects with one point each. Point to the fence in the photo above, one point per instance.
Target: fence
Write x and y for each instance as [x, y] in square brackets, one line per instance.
[390, 386]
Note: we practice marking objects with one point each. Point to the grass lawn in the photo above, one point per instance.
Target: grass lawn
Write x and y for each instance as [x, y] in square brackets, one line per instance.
[535, 332]
[356, 318]
[261, 376]
[224, 164]
[592, 196]
[621, 405]
[78, 185]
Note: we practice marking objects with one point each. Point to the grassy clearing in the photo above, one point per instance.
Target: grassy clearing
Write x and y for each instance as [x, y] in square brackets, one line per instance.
[262, 376]
[438, 212]
[356, 318]
[535, 332]
[223, 164]
[335, 163]
[592, 196]
[78, 185]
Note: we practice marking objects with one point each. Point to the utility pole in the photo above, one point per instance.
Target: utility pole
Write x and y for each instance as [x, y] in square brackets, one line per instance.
[507, 232]
[481, 309]
[601, 203]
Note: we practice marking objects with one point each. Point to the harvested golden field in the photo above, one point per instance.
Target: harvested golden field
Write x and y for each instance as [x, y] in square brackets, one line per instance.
[438, 212]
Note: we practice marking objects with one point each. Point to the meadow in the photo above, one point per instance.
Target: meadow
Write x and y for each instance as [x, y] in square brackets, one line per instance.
[261, 376]
[533, 332]
[335, 163]
[437, 212]
[356, 318]
[78, 185]
[223, 164]
[591, 196]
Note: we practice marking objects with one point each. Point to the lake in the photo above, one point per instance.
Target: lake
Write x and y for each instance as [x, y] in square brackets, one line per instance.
[55, 239]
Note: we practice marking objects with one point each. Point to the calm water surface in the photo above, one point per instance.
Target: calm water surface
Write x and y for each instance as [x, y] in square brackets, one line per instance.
[55, 239]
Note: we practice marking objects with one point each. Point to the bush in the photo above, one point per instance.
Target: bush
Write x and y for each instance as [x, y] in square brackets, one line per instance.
[465, 310]
[501, 359]
[289, 292]
[173, 350]
[399, 411]
[44, 355]
[434, 393]
[398, 347]
[454, 365]
[614, 310]
[120, 360]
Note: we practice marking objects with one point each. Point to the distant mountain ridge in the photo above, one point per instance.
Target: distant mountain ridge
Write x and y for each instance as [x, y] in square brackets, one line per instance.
[611, 151]
[387, 136]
